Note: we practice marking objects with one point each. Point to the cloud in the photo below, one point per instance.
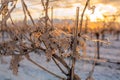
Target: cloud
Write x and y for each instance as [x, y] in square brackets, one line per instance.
[110, 2]
[58, 3]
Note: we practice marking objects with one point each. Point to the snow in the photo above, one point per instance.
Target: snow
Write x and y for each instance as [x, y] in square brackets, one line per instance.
[104, 71]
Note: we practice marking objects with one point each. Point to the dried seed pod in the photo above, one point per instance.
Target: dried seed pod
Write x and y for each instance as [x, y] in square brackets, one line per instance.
[90, 78]
[14, 64]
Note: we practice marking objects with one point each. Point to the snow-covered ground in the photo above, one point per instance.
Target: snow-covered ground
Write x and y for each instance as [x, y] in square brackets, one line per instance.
[104, 71]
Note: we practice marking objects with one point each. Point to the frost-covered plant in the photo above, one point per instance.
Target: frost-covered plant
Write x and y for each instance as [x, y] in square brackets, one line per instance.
[43, 36]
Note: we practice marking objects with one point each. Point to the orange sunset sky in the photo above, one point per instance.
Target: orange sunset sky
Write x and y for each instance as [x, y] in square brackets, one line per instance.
[67, 8]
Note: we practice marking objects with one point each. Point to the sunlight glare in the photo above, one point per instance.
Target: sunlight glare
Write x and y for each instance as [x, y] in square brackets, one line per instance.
[101, 10]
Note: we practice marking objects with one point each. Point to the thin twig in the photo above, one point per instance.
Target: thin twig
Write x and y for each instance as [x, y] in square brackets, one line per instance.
[61, 61]
[59, 66]
[75, 45]
[25, 16]
[81, 21]
[28, 12]
[52, 16]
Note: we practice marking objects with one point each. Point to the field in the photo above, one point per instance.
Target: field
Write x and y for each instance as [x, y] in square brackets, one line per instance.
[104, 71]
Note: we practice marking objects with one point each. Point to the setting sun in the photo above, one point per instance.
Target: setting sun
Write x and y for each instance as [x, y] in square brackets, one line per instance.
[101, 10]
